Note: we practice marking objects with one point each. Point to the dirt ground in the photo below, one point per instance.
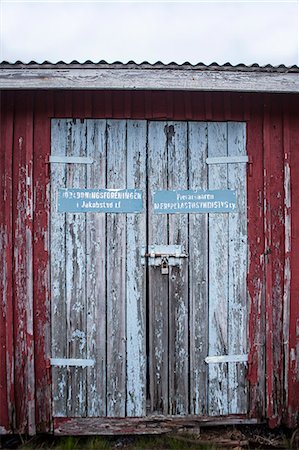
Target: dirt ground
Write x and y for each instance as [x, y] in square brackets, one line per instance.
[206, 438]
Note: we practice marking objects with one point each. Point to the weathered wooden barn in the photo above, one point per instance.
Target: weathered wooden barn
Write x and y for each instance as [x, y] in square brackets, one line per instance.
[149, 246]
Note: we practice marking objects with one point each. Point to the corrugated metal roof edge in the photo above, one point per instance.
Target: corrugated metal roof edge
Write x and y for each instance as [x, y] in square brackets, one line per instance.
[157, 65]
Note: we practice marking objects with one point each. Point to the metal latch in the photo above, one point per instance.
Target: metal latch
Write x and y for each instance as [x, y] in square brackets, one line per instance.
[163, 256]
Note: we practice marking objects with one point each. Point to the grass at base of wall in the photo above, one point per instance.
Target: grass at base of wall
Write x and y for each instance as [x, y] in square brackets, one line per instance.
[227, 437]
[169, 442]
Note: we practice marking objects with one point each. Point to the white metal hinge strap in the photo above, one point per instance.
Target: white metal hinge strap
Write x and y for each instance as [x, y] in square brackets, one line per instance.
[226, 359]
[60, 362]
[71, 159]
[227, 160]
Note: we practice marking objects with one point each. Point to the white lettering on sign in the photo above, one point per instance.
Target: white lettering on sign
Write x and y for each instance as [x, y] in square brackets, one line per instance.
[195, 196]
[101, 195]
[195, 205]
[99, 205]
[188, 201]
[100, 200]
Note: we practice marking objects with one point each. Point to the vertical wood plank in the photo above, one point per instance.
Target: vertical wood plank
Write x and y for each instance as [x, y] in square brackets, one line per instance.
[135, 274]
[41, 278]
[269, 281]
[293, 381]
[287, 243]
[158, 284]
[218, 275]
[23, 265]
[76, 276]
[176, 133]
[278, 257]
[256, 262]
[116, 274]
[198, 276]
[237, 293]
[96, 273]
[59, 138]
[6, 136]
[29, 269]
[274, 243]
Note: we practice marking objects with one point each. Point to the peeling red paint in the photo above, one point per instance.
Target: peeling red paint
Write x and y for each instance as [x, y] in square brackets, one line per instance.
[292, 112]
[4, 422]
[272, 144]
[256, 272]
[7, 352]
[273, 184]
[42, 137]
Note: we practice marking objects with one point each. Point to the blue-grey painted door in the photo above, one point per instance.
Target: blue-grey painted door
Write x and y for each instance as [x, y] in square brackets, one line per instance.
[130, 337]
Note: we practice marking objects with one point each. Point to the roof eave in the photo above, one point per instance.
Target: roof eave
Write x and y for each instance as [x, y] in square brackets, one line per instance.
[149, 78]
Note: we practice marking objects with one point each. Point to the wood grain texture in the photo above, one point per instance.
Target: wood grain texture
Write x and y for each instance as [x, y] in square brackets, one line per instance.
[174, 106]
[148, 79]
[256, 263]
[96, 274]
[31, 423]
[274, 243]
[178, 312]
[198, 281]
[41, 255]
[106, 309]
[75, 241]
[136, 273]
[218, 275]
[23, 266]
[288, 244]
[59, 137]
[294, 307]
[8, 419]
[4, 421]
[269, 275]
[146, 425]
[280, 229]
[237, 291]
[116, 274]
[158, 284]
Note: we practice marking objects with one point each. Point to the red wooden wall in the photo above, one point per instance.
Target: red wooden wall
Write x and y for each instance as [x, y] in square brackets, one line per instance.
[273, 230]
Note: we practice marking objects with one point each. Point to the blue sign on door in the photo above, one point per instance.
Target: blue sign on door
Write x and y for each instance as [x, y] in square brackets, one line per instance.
[100, 200]
[176, 202]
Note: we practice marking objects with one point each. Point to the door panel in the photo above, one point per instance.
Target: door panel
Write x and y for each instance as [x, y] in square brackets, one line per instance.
[59, 135]
[237, 270]
[218, 275]
[135, 274]
[198, 273]
[178, 276]
[96, 269]
[148, 333]
[75, 247]
[116, 274]
[168, 294]
[158, 284]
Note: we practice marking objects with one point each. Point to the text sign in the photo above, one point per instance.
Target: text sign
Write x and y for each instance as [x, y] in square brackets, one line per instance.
[176, 202]
[100, 200]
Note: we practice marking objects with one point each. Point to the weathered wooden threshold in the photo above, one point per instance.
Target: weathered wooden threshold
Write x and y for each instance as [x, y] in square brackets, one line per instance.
[142, 425]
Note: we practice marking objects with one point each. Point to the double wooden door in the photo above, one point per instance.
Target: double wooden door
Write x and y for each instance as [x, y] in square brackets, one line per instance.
[127, 339]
